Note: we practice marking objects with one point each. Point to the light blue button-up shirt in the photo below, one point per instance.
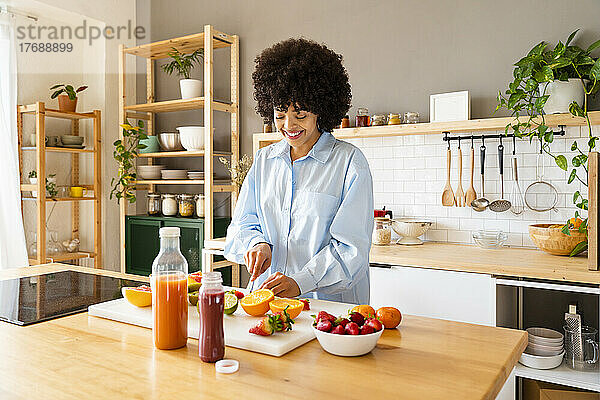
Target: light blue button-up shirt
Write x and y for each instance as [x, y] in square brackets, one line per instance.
[317, 215]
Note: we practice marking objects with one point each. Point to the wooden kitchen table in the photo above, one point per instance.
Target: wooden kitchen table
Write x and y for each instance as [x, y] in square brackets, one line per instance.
[80, 356]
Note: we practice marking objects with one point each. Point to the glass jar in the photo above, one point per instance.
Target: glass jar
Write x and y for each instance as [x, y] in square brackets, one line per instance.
[382, 231]
[33, 245]
[169, 292]
[211, 301]
[186, 205]
[378, 120]
[200, 205]
[153, 204]
[362, 117]
[169, 205]
[394, 119]
[411, 117]
[345, 122]
[53, 247]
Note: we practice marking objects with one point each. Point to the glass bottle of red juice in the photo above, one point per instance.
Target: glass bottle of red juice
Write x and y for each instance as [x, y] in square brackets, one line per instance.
[211, 298]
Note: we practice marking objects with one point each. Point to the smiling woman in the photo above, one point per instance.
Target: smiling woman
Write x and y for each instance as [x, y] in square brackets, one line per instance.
[305, 211]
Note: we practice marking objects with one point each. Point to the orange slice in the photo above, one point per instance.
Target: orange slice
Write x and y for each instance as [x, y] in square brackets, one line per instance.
[294, 307]
[257, 302]
[140, 296]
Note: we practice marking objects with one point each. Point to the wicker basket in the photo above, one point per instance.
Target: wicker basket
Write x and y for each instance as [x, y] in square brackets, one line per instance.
[549, 238]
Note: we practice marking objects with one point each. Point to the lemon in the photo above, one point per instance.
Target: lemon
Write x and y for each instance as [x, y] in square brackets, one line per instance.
[231, 303]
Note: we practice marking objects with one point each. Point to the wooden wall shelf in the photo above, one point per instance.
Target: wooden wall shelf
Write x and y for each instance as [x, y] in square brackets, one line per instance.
[180, 105]
[199, 153]
[185, 44]
[40, 112]
[434, 128]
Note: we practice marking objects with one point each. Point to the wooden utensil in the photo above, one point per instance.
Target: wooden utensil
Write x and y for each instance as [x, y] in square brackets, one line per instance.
[460, 194]
[448, 199]
[471, 194]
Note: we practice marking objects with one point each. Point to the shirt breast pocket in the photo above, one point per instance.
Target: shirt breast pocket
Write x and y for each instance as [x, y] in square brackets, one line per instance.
[307, 204]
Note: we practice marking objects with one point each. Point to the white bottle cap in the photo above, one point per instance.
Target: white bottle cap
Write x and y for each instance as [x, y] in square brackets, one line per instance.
[169, 231]
[227, 366]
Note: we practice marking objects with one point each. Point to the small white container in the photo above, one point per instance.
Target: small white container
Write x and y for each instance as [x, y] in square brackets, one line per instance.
[347, 345]
[169, 205]
[382, 231]
[541, 362]
[33, 181]
[190, 88]
[192, 137]
[200, 205]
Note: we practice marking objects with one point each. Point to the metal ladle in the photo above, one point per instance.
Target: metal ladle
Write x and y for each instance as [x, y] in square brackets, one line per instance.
[481, 203]
[501, 204]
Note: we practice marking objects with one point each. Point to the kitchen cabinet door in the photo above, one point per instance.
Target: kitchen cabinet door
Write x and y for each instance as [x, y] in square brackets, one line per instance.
[190, 242]
[456, 296]
[141, 245]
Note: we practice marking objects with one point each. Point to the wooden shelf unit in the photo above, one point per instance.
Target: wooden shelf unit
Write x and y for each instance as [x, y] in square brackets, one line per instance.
[433, 128]
[208, 40]
[40, 112]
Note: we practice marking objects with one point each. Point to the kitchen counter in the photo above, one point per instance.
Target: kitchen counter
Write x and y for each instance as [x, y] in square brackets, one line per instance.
[80, 356]
[516, 262]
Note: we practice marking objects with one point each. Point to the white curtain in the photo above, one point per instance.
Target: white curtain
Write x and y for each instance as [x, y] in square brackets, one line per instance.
[13, 249]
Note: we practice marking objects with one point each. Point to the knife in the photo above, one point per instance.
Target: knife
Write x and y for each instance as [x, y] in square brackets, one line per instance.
[250, 285]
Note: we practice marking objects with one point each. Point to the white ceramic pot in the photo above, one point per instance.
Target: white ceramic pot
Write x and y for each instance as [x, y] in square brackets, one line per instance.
[192, 137]
[190, 88]
[33, 181]
[561, 95]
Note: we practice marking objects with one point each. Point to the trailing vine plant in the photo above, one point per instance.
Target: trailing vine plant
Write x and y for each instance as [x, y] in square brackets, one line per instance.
[125, 153]
[525, 99]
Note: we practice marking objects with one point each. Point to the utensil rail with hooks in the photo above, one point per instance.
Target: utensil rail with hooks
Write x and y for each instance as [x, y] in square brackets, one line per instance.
[448, 138]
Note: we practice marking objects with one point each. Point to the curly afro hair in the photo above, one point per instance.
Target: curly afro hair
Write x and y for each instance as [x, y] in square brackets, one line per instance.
[302, 72]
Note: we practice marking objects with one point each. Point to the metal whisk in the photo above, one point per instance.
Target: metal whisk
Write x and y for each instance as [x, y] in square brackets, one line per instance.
[516, 196]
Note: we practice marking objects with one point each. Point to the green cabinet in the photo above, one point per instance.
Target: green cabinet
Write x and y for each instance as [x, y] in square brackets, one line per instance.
[142, 242]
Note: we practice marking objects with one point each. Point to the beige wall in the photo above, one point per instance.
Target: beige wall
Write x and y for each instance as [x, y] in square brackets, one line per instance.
[397, 52]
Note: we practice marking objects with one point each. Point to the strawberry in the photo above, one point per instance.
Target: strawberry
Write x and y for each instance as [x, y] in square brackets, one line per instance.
[374, 323]
[341, 321]
[265, 327]
[366, 329]
[323, 315]
[356, 317]
[352, 328]
[284, 320]
[237, 293]
[338, 330]
[306, 304]
[324, 325]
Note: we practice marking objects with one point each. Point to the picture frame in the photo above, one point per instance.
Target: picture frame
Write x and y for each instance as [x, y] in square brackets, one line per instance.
[453, 106]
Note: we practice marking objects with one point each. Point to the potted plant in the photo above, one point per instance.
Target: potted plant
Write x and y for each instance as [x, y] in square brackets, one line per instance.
[33, 180]
[182, 64]
[125, 153]
[67, 96]
[527, 96]
[51, 189]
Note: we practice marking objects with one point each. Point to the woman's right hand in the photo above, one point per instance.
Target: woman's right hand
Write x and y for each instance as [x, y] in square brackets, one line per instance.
[258, 260]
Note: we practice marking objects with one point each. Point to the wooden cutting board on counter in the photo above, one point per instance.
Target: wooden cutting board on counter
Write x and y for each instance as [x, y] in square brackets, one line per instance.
[236, 325]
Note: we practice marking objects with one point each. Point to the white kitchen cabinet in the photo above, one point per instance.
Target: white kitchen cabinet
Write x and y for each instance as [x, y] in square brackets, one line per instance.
[456, 296]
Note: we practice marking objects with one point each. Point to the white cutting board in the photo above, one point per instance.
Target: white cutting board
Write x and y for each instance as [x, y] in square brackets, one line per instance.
[236, 326]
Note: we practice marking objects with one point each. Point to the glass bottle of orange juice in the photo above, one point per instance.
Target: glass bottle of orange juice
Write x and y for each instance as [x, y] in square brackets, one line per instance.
[169, 293]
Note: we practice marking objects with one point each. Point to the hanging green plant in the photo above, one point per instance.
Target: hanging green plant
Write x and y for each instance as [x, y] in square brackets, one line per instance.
[525, 99]
[125, 153]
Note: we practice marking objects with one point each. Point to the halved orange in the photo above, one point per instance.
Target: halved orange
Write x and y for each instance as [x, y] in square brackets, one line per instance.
[294, 307]
[140, 296]
[194, 281]
[257, 302]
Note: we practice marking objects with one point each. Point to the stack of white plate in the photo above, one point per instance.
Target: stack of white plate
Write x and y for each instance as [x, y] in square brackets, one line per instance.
[545, 349]
[195, 174]
[174, 174]
[150, 171]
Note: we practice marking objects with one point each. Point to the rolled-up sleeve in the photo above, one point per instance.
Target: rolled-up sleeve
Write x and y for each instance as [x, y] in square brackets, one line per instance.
[344, 262]
[244, 231]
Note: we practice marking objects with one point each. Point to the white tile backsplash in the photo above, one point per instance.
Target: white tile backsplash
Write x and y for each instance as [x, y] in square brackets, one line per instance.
[409, 174]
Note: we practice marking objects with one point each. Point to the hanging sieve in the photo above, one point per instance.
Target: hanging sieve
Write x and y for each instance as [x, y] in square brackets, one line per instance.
[541, 196]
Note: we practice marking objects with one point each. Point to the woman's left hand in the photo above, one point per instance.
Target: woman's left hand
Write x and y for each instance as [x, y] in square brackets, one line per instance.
[281, 285]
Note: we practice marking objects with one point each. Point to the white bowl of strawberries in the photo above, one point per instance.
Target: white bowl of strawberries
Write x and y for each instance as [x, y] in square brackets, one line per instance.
[347, 336]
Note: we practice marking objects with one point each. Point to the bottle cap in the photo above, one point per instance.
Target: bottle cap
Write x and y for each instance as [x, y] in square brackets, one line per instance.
[227, 366]
[170, 231]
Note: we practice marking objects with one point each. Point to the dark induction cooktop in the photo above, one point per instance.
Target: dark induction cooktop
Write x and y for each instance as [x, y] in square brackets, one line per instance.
[38, 298]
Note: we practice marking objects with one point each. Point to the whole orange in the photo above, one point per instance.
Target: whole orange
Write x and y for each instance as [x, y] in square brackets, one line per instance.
[366, 310]
[576, 222]
[390, 317]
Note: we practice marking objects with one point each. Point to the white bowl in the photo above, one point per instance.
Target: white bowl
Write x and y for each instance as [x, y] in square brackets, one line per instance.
[347, 345]
[541, 362]
[410, 230]
[150, 171]
[545, 336]
[538, 350]
[192, 137]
